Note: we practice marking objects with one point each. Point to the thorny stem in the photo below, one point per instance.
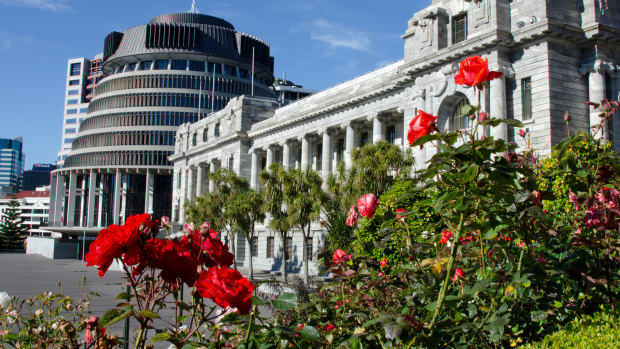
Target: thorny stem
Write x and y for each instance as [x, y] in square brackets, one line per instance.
[444, 286]
[247, 335]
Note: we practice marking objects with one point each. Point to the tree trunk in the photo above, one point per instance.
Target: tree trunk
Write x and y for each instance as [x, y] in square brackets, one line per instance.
[283, 238]
[251, 262]
[234, 250]
[305, 254]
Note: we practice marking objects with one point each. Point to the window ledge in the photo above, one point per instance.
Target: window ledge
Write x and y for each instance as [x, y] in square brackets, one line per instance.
[528, 122]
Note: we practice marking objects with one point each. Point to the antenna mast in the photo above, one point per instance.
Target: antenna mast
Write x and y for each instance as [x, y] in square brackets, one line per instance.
[194, 8]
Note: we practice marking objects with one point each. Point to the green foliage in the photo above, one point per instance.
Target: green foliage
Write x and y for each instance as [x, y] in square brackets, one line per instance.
[600, 330]
[12, 233]
[386, 236]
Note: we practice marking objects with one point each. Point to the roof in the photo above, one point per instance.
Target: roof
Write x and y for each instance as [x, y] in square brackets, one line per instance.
[30, 194]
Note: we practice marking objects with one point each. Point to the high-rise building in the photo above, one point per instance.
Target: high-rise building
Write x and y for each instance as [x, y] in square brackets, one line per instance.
[39, 176]
[83, 75]
[12, 161]
[177, 68]
[33, 208]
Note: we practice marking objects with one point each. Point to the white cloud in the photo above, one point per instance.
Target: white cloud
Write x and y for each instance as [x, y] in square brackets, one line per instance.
[47, 5]
[5, 42]
[339, 36]
[9, 41]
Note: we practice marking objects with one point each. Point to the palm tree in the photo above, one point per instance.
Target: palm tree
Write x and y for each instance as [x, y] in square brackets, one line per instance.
[304, 199]
[274, 204]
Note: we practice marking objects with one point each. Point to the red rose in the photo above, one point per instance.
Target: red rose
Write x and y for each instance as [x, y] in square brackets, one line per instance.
[341, 256]
[367, 204]
[458, 273]
[218, 252]
[110, 243]
[352, 217]
[421, 125]
[330, 327]
[475, 70]
[227, 288]
[383, 262]
[446, 235]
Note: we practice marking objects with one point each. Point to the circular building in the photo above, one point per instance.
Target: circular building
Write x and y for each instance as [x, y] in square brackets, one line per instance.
[178, 68]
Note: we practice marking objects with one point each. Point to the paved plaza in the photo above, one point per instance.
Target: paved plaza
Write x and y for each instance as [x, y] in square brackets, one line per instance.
[29, 275]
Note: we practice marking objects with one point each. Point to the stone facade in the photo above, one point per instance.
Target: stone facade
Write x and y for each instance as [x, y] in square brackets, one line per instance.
[555, 55]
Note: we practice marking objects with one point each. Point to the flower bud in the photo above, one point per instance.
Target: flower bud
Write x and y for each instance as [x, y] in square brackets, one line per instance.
[522, 133]
[567, 116]
[483, 116]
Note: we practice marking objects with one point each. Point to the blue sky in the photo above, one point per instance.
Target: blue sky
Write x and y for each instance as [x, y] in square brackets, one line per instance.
[318, 43]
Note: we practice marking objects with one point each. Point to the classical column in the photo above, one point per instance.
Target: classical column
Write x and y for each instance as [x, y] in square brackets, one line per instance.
[100, 218]
[349, 143]
[597, 88]
[190, 184]
[148, 192]
[254, 171]
[211, 182]
[92, 195]
[497, 94]
[71, 201]
[326, 165]
[305, 153]
[52, 207]
[199, 180]
[286, 155]
[118, 182]
[377, 129]
[269, 160]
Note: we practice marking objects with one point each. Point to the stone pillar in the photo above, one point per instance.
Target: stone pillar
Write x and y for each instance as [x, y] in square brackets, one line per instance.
[199, 180]
[269, 160]
[123, 213]
[326, 165]
[148, 192]
[286, 155]
[118, 182]
[349, 144]
[377, 129]
[211, 182]
[305, 153]
[100, 222]
[597, 89]
[254, 171]
[92, 195]
[190, 184]
[71, 201]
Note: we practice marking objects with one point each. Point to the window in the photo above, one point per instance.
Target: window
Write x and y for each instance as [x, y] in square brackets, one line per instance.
[231, 163]
[270, 247]
[254, 246]
[83, 110]
[74, 82]
[161, 64]
[68, 141]
[244, 74]
[205, 135]
[69, 130]
[72, 101]
[145, 65]
[70, 121]
[363, 139]
[526, 95]
[131, 67]
[309, 249]
[319, 156]
[76, 68]
[459, 121]
[459, 28]
[216, 131]
[73, 92]
[228, 70]
[288, 248]
[71, 111]
[178, 64]
[196, 66]
[390, 134]
[340, 150]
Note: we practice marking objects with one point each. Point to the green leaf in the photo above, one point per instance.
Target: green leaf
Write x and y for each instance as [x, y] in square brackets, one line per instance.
[149, 314]
[285, 301]
[309, 333]
[512, 122]
[123, 295]
[472, 311]
[113, 316]
[470, 173]
[257, 301]
[161, 336]
[468, 110]
[536, 212]
[539, 316]
[267, 346]
[357, 344]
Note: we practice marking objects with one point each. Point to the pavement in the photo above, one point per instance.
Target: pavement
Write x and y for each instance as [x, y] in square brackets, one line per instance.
[25, 276]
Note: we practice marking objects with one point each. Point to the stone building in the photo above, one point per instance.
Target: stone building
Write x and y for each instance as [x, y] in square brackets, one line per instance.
[554, 54]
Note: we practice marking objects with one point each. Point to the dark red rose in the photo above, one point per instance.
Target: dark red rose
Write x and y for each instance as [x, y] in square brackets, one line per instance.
[341, 256]
[475, 70]
[218, 252]
[110, 243]
[421, 125]
[445, 236]
[227, 288]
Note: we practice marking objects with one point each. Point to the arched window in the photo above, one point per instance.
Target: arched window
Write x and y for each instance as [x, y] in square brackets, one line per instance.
[458, 121]
[205, 134]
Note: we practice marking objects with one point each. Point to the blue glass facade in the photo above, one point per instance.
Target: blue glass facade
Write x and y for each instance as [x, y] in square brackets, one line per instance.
[12, 160]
